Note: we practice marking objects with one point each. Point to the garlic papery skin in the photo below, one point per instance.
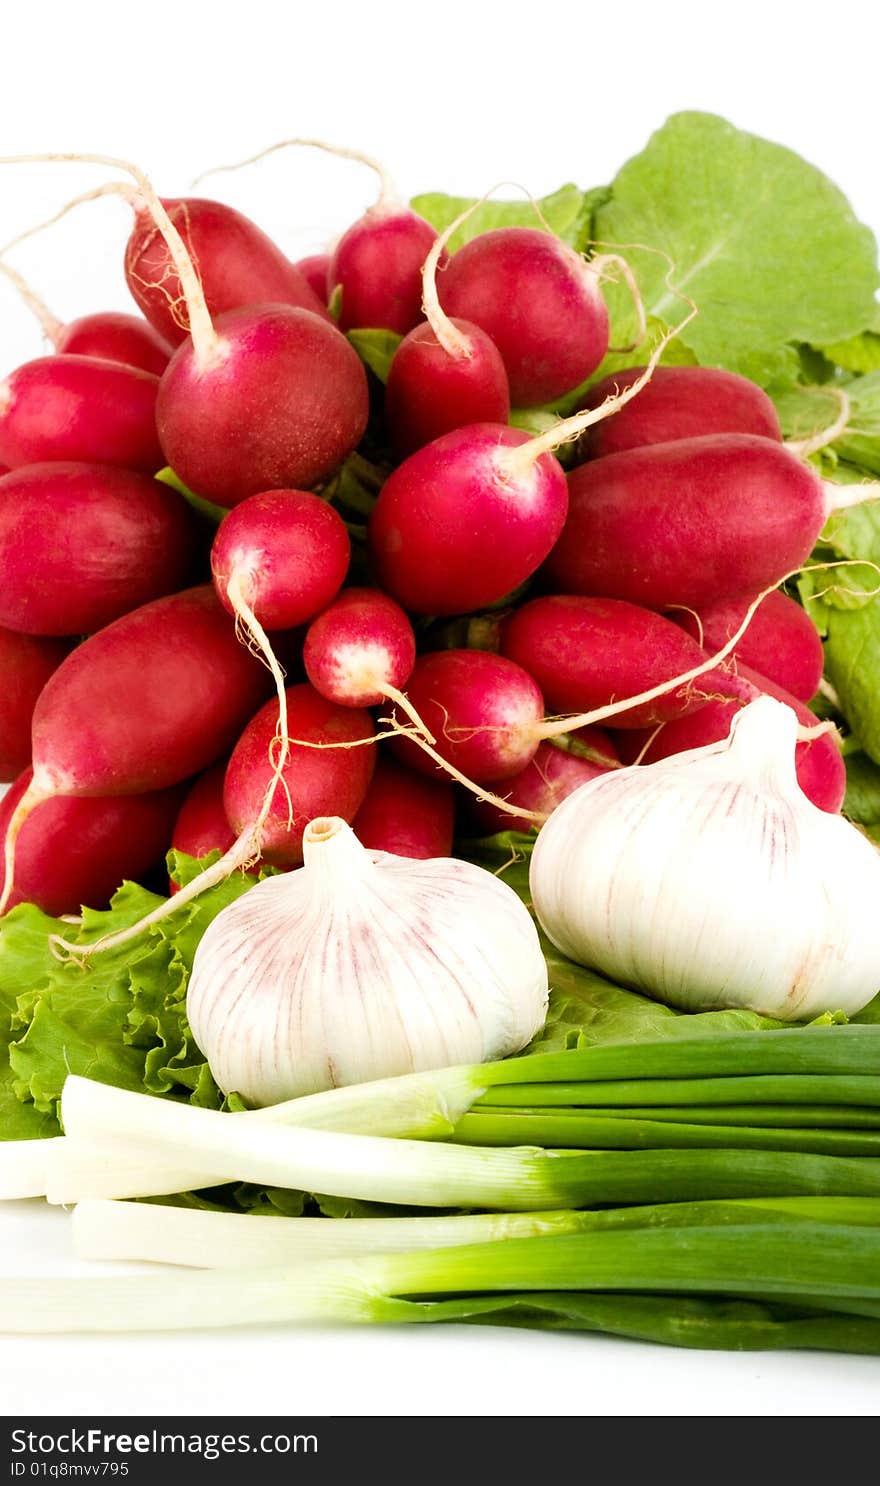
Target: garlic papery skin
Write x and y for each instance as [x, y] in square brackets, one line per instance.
[709, 880]
[362, 965]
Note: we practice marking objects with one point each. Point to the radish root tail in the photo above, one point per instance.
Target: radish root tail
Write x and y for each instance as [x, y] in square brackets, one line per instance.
[29, 801]
[387, 194]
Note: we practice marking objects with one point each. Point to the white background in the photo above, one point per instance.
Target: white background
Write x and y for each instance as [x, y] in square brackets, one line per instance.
[454, 96]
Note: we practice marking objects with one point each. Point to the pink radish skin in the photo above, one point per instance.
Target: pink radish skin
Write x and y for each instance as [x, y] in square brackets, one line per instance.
[377, 264]
[483, 710]
[113, 337]
[781, 642]
[75, 853]
[457, 527]
[201, 825]
[544, 783]
[314, 270]
[280, 403]
[406, 814]
[237, 264]
[431, 392]
[320, 781]
[290, 552]
[820, 768]
[693, 522]
[538, 301]
[358, 648]
[584, 653]
[26, 663]
[146, 702]
[78, 407]
[83, 544]
[679, 402]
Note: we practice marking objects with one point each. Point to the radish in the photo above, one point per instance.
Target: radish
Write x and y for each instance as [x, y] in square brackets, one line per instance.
[538, 301]
[278, 559]
[468, 518]
[484, 711]
[781, 642]
[820, 768]
[375, 268]
[286, 552]
[82, 544]
[237, 264]
[318, 780]
[271, 396]
[75, 853]
[110, 336]
[315, 269]
[107, 335]
[549, 777]
[143, 704]
[406, 814]
[682, 402]
[361, 650]
[584, 653]
[201, 824]
[445, 373]
[694, 522]
[78, 407]
[26, 663]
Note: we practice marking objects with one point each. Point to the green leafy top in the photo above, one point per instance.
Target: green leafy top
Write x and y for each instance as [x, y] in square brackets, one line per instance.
[567, 213]
[766, 246]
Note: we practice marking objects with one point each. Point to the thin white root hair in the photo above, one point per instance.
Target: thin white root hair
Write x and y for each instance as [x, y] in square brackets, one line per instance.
[387, 194]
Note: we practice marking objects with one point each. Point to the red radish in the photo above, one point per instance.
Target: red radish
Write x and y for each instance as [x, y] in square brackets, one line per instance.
[538, 301]
[77, 407]
[319, 780]
[360, 650]
[201, 824]
[820, 768]
[545, 782]
[781, 642]
[75, 853]
[445, 373]
[484, 711]
[26, 663]
[433, 389]
[113, 337]
[314, 270]
[377, 265]
[237, 263]
[691, 522]
[83, 544]
[463, 521]
[406, 814]
[681, 402]
[277, 560]
[268, 397]
[466, 519]
[584, 653]
[286, 552]
[143, 704]
[272, 396]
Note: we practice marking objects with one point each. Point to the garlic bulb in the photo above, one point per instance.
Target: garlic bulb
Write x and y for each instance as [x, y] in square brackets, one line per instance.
[710, 880]
[362, 965]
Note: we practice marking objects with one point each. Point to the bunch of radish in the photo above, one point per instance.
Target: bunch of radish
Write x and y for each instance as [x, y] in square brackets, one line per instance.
[166, 680]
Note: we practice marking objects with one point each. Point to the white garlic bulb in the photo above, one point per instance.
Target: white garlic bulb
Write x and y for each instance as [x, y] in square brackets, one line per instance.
[710, 880]
[362, 965]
